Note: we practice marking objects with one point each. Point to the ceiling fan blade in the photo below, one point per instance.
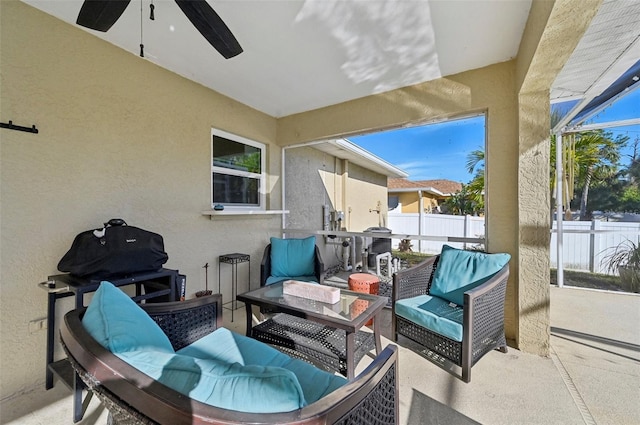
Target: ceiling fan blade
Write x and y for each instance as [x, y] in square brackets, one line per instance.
[211, 26]
[100, 15]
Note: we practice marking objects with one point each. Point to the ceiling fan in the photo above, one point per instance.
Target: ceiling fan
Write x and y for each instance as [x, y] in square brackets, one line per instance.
[100, 15]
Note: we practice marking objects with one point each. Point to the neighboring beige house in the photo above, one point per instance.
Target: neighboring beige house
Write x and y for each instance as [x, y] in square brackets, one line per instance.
[335, 185]
[123, 137]
[408, 196]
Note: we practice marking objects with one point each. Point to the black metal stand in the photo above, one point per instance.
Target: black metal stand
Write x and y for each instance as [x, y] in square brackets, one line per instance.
[234, 260]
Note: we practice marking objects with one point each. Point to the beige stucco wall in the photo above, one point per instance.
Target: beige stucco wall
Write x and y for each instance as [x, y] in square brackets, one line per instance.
[410, 201]
[366, 199]
[119, 137]
[315, 178]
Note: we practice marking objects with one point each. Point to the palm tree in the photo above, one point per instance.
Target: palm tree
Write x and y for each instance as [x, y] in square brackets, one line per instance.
[470, 200]
[475, 188]
[630, 198]
[588, 157]
[596, 159]
[475, 158]
[568, 141]
[464, 202]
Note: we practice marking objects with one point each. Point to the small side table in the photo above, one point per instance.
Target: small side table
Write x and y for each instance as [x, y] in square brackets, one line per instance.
[234, 260]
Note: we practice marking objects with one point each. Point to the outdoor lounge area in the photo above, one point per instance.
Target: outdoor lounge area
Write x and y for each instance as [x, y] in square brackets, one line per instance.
[591, 376]
[218, 153]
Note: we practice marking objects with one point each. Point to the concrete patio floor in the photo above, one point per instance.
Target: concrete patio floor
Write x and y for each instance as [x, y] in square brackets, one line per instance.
[591, 377]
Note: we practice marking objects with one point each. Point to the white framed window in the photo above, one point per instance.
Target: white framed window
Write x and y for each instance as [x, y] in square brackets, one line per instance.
[237, 172]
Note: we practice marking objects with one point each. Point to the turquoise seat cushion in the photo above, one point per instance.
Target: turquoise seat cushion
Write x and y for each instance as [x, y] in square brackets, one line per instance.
[250, 388]
[227, 346]
[275, 279]
[459, 271]
[293, 257]
[119, 324]
[433, 313]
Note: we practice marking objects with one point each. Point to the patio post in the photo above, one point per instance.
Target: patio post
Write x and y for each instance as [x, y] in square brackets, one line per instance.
[559, 215]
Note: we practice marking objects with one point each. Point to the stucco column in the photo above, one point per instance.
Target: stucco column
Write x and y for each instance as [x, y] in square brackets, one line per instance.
[501, 176]
[552, 32]
[533, 223]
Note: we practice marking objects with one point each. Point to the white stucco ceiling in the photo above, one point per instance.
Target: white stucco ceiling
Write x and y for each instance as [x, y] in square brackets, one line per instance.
[302, 55]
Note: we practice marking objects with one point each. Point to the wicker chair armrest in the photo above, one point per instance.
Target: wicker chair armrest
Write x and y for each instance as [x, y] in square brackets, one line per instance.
[318, 266]
[372, 397]
[185, 322]
[415, 280]
[498, 282]
[265, 265]
[484, 309]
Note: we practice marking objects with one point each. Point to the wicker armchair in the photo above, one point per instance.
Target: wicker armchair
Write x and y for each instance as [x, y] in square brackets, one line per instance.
[265, 267]
[482, 317]
[135, 398]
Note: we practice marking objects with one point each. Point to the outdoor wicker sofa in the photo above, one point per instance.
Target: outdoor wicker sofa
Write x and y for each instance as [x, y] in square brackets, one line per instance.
[133, 397]
[462, 328]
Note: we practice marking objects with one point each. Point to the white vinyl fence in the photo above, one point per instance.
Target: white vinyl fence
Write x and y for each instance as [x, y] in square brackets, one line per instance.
[435, 225]
[584, 251]
[581, 251]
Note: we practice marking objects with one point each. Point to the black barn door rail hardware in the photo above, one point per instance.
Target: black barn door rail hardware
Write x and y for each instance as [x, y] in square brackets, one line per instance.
[11, 126]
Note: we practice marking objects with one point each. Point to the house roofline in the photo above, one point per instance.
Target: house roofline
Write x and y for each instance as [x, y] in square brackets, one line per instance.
[429, 189]
[345, 149]
[390, 169]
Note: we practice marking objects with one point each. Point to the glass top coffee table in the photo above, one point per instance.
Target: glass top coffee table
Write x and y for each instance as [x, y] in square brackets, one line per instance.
[329, 334]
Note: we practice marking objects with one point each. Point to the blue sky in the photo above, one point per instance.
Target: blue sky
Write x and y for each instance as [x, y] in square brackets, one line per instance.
[439, 151]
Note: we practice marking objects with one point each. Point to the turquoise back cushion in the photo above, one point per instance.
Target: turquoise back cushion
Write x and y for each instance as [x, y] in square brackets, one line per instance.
[292, 257]
[229, 347]
[459, 271]
[252, 388]
[119, 324]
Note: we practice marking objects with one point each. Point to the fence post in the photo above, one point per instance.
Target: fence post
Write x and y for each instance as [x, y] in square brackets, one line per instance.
[421, 228]
[467, 229]
[592, 247]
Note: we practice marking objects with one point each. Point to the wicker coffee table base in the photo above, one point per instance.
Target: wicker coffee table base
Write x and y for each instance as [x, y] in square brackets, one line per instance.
[314, 342]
